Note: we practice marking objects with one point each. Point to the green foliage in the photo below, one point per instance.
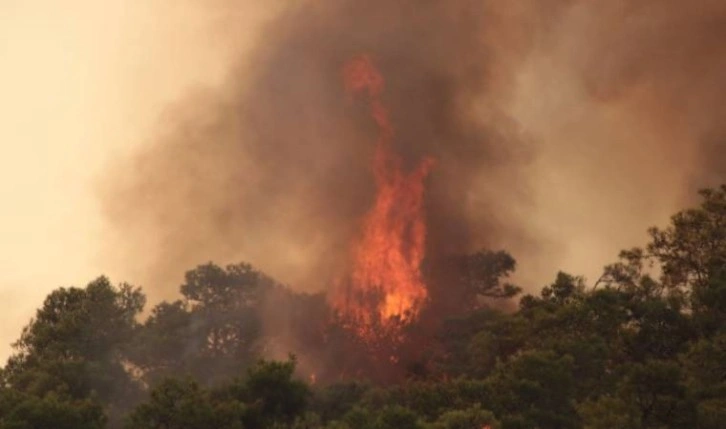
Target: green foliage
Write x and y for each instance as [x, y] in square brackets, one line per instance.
[76, 345]
[359, 418]
[166, 343]
[536, 387]
[484, 274]
[474, 417]
[656, 389]
[334, 401]
[212, 334]
[273, 392]
[705, 366]
[396, 417]
[175, 404]
[267, 397]
[607, 412]
[693, 247]
[643, 348]
[23, 411]
[76, 329]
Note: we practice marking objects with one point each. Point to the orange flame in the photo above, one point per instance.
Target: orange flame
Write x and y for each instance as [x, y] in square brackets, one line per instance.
[386, 284]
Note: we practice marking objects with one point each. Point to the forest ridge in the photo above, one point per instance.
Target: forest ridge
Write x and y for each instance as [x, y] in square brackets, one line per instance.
[643, 347]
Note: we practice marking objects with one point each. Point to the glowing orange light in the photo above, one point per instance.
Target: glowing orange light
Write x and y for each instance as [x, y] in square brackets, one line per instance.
[386, 284]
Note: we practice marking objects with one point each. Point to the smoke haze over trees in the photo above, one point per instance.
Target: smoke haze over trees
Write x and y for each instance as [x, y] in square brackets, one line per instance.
[560, 129]
[643, 347]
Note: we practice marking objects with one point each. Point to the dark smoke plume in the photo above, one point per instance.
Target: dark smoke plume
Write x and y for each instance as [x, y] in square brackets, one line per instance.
[273, 167]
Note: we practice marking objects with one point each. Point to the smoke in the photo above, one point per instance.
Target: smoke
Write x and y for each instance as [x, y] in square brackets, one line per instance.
[561, 129]
[623, 100]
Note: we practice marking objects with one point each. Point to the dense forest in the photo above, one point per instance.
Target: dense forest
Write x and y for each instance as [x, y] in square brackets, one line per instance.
[643, 346]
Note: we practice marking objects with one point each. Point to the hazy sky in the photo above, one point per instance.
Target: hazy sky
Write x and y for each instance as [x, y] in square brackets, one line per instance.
[82, 82]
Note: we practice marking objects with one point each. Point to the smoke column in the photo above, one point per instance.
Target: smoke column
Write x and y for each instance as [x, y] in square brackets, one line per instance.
[561, 130]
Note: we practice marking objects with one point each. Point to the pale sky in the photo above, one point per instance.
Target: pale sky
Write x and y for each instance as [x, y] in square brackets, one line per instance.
[82, 82]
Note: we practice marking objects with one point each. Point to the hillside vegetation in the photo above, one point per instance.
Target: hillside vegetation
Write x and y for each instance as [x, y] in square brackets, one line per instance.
[643, 347]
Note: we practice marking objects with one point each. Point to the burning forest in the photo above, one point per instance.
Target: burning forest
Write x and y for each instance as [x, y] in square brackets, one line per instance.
[377, 166]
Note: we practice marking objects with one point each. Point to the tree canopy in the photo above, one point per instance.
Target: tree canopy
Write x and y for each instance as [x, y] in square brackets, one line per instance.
[642, 347]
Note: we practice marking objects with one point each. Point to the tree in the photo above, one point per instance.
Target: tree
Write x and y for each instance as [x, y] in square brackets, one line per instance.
[165, 344]
[334, 401]
[212, 333]
[76, 345]
[463, 282]
[267, 397]
[473, 417]
[484, 274]
[22, 411]
[608, 412]
[656, 388]
[397, 417]
[705, 376]
[271, 391]
[178, 404]
[223, 304]
[535, 389]
[689, 253]
[693, 247]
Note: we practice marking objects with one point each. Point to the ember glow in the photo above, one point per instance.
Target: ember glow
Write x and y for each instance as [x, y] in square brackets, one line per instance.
[386, 287]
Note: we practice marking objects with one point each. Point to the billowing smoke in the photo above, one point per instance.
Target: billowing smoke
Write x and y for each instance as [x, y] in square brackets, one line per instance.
[623, 101]
[561, 129]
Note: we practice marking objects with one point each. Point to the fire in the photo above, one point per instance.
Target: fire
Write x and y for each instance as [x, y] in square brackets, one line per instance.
[386, 287]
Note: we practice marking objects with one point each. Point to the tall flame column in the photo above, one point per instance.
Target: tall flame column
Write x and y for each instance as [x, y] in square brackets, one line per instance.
[386, 284]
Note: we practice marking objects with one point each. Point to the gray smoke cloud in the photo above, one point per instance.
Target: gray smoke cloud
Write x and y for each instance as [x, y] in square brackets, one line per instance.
[553, 122]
